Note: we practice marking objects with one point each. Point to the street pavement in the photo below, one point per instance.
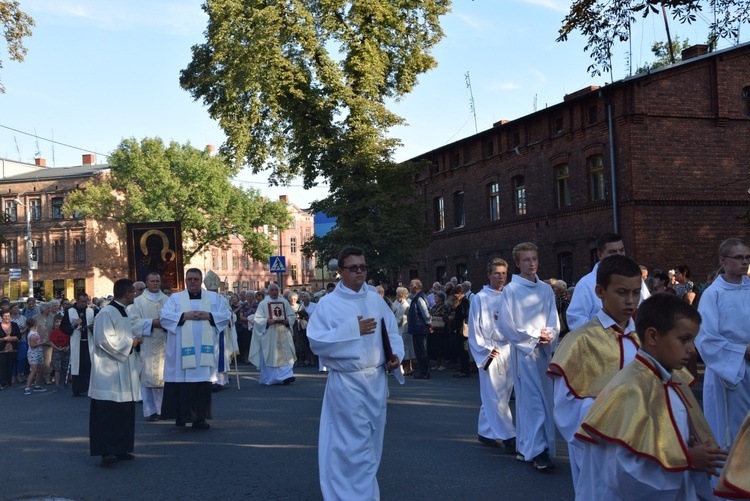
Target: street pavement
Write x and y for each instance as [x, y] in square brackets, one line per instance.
[263, 445]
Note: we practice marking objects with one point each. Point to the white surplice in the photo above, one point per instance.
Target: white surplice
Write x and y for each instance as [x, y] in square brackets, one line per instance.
[142, 313]
[722, 343]
[352, 421]
[496, 383]
[170, 318]
[526, 308]
[272, 346]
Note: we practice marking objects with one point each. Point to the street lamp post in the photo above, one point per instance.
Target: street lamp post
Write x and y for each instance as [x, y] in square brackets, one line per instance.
[29, 246]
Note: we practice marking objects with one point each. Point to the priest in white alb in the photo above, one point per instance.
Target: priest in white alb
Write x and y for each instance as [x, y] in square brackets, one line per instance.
[194, 319]
[144, 313]
[346, 332]
[272, 347]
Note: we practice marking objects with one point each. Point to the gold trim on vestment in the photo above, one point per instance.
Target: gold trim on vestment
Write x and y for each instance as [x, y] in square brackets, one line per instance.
[634, 411]
[734, 481]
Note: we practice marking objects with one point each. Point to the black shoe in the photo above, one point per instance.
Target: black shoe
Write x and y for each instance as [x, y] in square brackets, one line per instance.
[153, 417]
[201, 424]
[289, 381]
[461, 374]
[490, 442]
[109, 459]
[126, 457]
[510, 445]
[179, 423]
[421, 376]
[543, 462]
[216, 387]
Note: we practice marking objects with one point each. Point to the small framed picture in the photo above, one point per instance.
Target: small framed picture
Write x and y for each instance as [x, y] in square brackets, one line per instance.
[276, 310]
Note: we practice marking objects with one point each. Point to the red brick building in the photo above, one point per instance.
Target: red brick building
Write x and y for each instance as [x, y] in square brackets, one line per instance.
[72, 254]
[659, 157]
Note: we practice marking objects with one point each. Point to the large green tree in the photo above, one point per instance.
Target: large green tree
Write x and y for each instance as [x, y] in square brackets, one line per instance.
[605, 22]
[662, 53]
[151, 182]
[300, 88]
[16, 26]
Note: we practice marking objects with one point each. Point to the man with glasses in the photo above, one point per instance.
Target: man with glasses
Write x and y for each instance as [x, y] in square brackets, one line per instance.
[194, 319]
[345, 331]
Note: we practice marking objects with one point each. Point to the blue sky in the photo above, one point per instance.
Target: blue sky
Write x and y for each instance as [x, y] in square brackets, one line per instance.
[99, 71]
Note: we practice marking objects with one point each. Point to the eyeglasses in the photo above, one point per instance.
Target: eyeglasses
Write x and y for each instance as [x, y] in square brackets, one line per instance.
[355, 268]
[739, 258]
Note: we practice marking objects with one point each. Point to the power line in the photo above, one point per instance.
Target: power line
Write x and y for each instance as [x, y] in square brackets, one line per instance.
[53, 141]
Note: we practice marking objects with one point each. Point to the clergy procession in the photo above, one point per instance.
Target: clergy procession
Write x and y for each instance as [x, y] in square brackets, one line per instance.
[612, 368]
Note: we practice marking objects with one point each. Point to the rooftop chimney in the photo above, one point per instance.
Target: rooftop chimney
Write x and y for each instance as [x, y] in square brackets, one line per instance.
[211, 149]
[41, 162]
[283, 198]
[694, 51]
[88, 159]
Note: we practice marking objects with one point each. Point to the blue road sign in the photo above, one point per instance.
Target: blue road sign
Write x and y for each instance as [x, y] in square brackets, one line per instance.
[278, 264]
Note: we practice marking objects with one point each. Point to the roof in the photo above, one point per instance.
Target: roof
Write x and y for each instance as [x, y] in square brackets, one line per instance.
[59, 173]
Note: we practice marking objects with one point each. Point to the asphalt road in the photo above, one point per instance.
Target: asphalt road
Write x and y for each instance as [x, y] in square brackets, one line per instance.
[263, 445]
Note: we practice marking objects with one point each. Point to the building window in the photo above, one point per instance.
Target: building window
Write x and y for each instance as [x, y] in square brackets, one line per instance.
[235, 260]
[519, 195]
[293, 245]
[58, 288]
[562, 183]
[294, 272]
[596, 178]
[592, 114]
[11, 213]
[461, 271]
[440, 274]
[79, 286]
[494, 195]
[57, 208]
[35, 206]
[565, 266]
[438, 210]
[459, 216]
[308, 234]
[36, 251]
[80, 250]
[489, 148]
[246, 287]
[559, 125]
[245, 261]
[236, 287]
[215, 259]
[224, 260]
[11, 252]
[58, 251]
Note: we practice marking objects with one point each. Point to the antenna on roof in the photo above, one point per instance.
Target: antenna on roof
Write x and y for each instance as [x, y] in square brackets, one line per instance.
[53, 147]
[37, 153]
[471, 102]
[15, 140]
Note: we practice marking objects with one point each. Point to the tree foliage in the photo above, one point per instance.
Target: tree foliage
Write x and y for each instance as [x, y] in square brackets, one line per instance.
[300, 88]
[16, 25]
[605, 22]
[151, 182]
[661, 52]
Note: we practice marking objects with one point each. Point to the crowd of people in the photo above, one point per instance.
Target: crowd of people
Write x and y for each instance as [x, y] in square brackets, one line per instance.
[608, 363]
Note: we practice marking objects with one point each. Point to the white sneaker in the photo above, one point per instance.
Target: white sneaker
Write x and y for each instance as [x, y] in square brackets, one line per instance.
[27, 391]
[39, 389]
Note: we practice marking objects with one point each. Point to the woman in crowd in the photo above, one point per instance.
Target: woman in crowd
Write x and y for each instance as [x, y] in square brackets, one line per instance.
[22, 364]
[401, 311]
[10, 336]
[438, 340]
[683, 287]
[461, 331]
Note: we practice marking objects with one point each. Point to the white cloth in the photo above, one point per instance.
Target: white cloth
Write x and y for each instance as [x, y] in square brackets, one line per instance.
[231, 347]
[496, 383]
[152, 400]
[722, 341]
[170, 318]
[526, 308]
[114, 362]
[586, 304]
[273, 344]
[352, 420]
[609, 471]
[142, 313]
[570, 410]
[401, 312]
[75, 339]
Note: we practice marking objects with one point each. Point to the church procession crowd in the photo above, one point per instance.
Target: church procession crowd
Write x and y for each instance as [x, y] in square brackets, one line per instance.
[608, 363]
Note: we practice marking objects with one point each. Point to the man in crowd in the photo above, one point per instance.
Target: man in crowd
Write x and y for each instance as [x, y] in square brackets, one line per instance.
[585, 304]
[114, 379]
[194, 319]
[144, 313]
[31, 308]
[491, 352]
[346, 333]
[139, 288]
[418, 325]
[272, 347]
[78, 323]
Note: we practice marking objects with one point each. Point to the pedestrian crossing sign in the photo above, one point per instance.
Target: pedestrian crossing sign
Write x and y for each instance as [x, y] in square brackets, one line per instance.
[278, 264]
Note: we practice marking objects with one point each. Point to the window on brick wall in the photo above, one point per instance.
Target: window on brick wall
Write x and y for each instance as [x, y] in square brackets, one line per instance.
[493, 192]
[293, 245]
[215, 259]
[36, 251]
[57, 208]
[245, 261]
[11, 212]
[440, 274]
[558, 125]
[461, 271]
[79, 250]
[11, 252]
[79, 286]
[565, 266]
[236, 287]
[596, 177]
[519, 195]
[746, 101]
[235, 260]
[438, 211]
[562, 185]
[294, 272]
[58, 251]
[459, 215]
[224, 260]
[35, 206]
